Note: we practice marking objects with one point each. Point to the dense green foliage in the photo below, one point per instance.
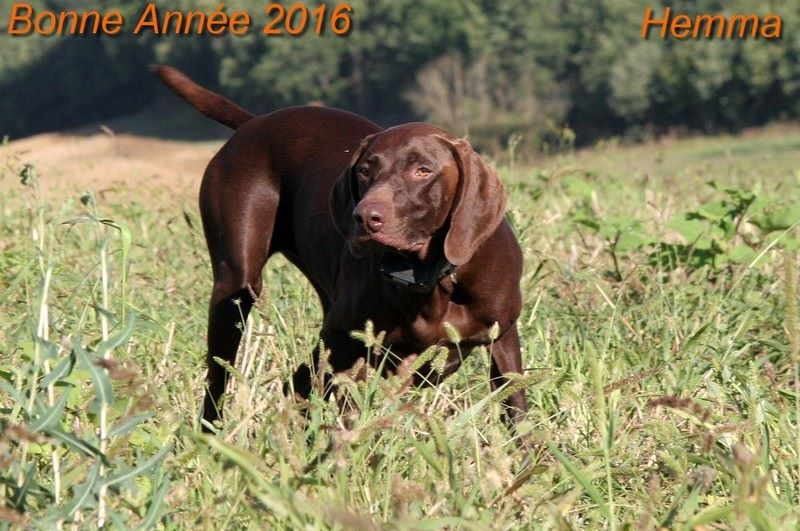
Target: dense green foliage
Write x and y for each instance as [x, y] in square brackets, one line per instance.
[511, 72]
[660, 341]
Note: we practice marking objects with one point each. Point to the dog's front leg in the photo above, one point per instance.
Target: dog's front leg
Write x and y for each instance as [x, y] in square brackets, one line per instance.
[506, 360]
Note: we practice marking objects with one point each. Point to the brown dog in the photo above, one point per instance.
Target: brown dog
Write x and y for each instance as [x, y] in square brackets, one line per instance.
[403, 227]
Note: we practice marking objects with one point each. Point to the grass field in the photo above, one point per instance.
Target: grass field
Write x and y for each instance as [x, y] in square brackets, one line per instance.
[659, 332]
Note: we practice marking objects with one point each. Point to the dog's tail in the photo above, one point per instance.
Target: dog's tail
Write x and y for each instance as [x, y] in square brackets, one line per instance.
[209, 103]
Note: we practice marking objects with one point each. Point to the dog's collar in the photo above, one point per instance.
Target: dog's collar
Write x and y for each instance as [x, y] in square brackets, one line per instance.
[414, 275]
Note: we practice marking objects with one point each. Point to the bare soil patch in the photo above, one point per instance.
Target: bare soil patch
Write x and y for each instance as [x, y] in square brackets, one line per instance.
[109, 163]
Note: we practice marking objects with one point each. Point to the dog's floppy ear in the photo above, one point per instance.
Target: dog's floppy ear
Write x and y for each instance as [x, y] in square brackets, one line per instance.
[344, 195]
[478, 206]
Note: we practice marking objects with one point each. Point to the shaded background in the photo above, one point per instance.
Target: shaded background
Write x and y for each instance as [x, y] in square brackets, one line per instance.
[532, 74]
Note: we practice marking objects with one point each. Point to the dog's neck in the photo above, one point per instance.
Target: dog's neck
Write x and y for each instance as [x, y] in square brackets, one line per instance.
[412, 274]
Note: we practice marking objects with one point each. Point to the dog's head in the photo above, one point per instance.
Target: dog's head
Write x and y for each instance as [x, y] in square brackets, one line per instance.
[409, 183]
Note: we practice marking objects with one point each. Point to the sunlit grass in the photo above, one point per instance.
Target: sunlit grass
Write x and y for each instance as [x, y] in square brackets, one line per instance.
[658, 398]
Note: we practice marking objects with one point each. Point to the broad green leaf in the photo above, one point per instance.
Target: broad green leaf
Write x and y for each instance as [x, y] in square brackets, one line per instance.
[741, 254]
[578, 187]
[690, 229]
[628, 241]
[777, 218]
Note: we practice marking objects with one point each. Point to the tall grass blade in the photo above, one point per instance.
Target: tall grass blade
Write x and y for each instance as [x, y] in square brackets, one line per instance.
[156, 504]
[468, 415]
[709, 515]
[580, 476]
[127, 424]
[135, 471]
[245, 462]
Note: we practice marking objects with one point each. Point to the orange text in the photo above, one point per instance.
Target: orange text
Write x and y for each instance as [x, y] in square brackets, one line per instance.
[705, 26]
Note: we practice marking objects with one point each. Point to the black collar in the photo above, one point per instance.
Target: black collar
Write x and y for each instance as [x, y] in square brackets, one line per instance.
[411, 274]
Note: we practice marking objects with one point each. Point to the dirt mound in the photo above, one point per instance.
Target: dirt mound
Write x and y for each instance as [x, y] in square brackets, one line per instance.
[112, 163]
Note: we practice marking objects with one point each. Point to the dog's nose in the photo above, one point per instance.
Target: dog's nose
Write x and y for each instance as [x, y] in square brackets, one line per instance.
[371, 220]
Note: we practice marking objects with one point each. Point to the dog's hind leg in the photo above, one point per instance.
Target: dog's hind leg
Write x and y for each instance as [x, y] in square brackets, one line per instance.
[239, 209]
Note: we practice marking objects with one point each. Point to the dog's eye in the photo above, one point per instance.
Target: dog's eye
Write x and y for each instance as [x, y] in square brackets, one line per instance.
[422, 172]
[363, 171]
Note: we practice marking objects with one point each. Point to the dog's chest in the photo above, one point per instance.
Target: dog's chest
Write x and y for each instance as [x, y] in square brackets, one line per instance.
[444, 324]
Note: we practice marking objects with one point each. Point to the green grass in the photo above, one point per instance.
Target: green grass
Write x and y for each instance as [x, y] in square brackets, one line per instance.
[662, 395]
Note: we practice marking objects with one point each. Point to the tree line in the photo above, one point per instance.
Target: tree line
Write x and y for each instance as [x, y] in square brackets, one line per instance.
[533, 74]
